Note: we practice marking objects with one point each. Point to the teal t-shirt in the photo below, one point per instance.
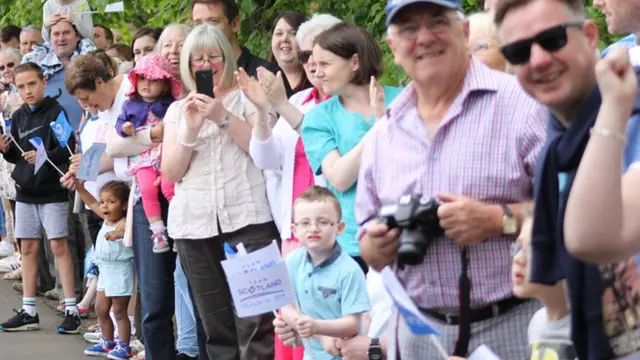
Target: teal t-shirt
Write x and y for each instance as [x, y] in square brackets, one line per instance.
[330, 126]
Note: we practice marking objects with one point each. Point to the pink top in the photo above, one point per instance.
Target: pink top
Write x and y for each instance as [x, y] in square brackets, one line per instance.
[302, 175]
[149, 158]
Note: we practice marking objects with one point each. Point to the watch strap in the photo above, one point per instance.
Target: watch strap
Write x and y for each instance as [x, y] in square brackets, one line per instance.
[225, 122]
[374, 342]
[507, 210]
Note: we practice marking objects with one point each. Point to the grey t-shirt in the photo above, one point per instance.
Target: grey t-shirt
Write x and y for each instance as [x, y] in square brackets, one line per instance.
[550, 339]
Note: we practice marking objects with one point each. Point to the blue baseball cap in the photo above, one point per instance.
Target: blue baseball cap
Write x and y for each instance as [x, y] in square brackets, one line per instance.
[394, 6]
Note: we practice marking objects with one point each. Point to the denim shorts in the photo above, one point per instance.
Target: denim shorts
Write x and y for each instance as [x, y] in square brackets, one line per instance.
[116, 278]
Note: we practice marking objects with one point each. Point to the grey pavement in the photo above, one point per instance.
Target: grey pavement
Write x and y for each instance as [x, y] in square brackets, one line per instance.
[45, 343]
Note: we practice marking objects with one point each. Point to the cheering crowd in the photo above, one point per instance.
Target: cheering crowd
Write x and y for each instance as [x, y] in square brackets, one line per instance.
[500, 184]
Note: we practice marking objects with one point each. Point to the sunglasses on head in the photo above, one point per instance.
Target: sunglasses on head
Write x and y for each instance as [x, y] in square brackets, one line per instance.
[551, 40]
[304, 56]
[9, 66]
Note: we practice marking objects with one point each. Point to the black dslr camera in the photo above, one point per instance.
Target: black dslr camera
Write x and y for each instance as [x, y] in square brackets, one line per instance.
[417, 217]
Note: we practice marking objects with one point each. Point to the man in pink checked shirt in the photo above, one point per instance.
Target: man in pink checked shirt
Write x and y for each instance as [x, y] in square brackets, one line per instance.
[469, 136]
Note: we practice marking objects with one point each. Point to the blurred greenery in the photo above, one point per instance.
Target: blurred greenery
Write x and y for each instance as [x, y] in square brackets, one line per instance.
[257, 17]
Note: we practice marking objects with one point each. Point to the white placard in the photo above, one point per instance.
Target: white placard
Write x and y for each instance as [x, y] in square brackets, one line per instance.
[267, 257]
[263, 291]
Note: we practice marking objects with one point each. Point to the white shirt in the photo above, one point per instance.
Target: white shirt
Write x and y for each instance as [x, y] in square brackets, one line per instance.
[95, 131]
[276, 156]
[110, 116]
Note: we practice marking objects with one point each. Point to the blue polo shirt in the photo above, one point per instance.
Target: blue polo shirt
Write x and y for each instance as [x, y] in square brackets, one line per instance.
[329, 126]
[330, 290]
[628, 41]
[592, 287]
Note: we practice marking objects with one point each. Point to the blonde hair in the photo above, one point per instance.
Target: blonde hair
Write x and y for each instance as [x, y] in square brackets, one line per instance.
[319, 193]
[207, 36]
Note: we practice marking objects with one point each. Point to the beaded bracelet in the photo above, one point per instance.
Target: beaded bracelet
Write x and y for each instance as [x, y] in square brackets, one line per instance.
[187, 145]
[608, 133]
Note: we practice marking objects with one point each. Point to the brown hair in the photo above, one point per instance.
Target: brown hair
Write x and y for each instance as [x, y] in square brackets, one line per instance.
[231, 10]
[83, 72]
[153, 32]
[124, 51]
[319, 193]
[118, 188]
[294, 19]
[504, 6]
[26, 67]
[346, 40]
[107, 60]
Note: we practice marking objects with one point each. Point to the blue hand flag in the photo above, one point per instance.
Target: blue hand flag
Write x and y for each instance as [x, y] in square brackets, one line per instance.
[62, 129]
[7, 127]
[90, 163]
[41, 153]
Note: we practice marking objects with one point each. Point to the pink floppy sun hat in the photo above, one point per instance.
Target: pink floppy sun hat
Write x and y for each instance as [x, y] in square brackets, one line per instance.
[155, 67]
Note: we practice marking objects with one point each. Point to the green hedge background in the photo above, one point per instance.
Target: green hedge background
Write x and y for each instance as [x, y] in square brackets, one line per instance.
[256, 15]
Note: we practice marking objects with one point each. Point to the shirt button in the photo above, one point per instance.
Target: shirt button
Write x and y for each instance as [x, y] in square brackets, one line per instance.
[309, 275]
[433, 283]
[306, 291]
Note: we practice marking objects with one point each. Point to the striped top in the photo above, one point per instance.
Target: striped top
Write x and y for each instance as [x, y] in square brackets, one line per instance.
[485, 149]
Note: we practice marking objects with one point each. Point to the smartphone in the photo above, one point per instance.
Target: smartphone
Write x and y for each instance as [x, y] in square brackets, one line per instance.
[204, 82]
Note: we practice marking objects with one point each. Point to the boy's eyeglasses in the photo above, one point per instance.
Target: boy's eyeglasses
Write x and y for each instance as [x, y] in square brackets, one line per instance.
[319, 223]
[551, 40]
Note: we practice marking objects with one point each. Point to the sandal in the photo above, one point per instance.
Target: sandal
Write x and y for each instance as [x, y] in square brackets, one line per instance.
[14, 275]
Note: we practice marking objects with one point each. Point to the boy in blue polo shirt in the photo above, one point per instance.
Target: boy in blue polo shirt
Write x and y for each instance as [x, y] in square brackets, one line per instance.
[330, 286]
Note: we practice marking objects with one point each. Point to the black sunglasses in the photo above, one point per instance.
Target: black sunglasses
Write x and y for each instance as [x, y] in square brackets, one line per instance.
[304, 56]
[10, 65]
[552, 40]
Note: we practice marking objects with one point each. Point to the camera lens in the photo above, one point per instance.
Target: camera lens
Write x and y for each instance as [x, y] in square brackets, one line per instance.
[413, 246]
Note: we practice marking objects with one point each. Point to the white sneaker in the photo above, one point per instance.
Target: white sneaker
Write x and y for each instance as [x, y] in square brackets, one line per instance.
[6, 249]
[93, 337]
[10, 263]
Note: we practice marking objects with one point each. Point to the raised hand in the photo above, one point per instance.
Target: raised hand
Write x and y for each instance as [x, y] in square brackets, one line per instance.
[273, 86]
[376, 96]
[617, 80]
[192, 113]
[252, 89]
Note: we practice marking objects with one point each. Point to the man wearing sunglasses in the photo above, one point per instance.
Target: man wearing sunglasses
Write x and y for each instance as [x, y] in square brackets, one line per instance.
[552, 50]
[468, 136]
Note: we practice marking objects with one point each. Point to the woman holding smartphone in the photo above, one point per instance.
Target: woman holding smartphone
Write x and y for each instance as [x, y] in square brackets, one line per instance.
[220, 194]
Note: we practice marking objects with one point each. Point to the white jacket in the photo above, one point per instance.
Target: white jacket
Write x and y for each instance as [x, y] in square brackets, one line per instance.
[276, 156]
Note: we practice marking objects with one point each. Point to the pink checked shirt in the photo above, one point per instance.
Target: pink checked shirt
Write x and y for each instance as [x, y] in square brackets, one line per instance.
[485, 149]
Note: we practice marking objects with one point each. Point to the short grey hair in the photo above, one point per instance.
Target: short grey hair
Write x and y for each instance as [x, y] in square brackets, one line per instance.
[163, 37]
[13, 53]
[30, 28]
[207, 36]
[314, 26]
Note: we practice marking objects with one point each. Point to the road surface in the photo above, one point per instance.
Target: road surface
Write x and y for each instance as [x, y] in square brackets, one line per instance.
[44, 344]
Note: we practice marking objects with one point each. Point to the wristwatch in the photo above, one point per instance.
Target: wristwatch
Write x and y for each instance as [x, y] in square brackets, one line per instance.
[375, 351]
[509, 222]
[225, 122]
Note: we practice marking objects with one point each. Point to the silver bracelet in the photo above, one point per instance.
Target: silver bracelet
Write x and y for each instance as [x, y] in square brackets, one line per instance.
[225, 122]
[187, 145]
[608, 133]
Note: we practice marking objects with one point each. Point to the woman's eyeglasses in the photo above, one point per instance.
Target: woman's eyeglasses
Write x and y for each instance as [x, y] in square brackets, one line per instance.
[200, 61]
[304, 56]
[551, 40]
[8, 66]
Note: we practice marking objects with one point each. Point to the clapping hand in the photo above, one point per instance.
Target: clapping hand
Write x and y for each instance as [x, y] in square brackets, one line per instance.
[617, 81]
[252, 89]
[273, 86]
[376, 96]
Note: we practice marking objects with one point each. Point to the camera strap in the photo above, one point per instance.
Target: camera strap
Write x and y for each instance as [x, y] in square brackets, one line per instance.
[464, 312]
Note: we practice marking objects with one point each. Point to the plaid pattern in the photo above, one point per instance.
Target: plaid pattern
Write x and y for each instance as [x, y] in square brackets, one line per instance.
[486, 149]
[506, 335]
